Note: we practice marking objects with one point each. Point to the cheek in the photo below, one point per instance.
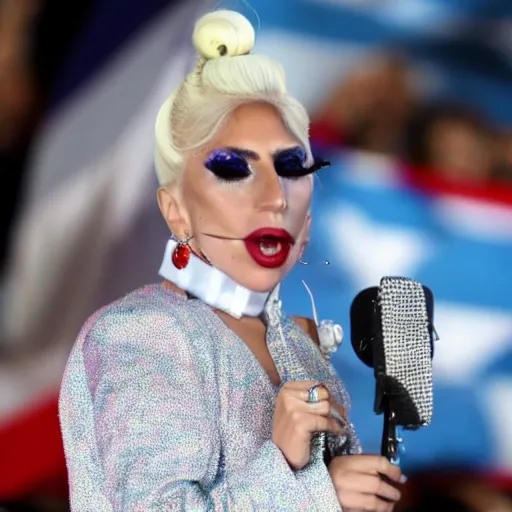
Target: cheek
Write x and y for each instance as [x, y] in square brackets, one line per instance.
[213, 207]
[202, 195]
[299, 195]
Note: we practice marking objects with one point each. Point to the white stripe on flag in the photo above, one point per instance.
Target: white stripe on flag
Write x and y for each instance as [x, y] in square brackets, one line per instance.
[496, 399]
[471, 339]
[478, 219]
[82, 205]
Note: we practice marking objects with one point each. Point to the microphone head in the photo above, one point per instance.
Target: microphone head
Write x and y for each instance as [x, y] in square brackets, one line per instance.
[392, 332]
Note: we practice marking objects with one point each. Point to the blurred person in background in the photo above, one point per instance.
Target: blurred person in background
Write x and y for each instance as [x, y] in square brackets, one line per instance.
[502, 155]
[452, 141]
[34, 44]
[375, 109]
[369, 109]
[18, 87]
[19, 104]
[455, 491]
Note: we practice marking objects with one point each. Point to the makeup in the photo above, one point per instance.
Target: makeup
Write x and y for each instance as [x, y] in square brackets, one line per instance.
[289, 163]
[228, 165]
[269, 247]
[232, 164]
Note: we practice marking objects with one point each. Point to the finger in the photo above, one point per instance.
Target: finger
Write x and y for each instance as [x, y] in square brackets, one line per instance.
[373, 464]
[314, 423]
[335, 414]
[352, 500]
[295, 405]
[340, 409]
[322, 408]
[302, 392]
[303, 396]
[366, 484]
[392, 471]
[317, 393]
[389, 509]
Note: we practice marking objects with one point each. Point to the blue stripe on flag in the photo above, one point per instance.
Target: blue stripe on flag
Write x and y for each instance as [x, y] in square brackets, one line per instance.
[112, 23]
[360, 226]
[323, 20]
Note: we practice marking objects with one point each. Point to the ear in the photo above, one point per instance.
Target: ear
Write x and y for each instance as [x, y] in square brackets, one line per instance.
[173, 211]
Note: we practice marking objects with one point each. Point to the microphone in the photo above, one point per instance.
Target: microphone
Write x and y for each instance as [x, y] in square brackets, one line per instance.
[392, 332]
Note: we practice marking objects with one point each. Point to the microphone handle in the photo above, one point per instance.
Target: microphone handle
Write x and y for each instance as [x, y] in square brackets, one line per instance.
[319, 442]
[389, 443]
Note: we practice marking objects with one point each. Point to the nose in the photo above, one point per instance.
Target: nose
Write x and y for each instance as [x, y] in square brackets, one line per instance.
[272, 194]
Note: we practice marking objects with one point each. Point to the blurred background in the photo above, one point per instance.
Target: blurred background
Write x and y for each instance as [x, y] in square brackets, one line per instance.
[411, 100]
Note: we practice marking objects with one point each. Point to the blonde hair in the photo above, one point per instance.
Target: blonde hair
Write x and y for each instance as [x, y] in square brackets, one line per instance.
[226, 76]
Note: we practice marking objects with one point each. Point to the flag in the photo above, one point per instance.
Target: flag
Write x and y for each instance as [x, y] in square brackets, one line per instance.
[91, 230]
[89, 215]
[459, 51]
[369, 221]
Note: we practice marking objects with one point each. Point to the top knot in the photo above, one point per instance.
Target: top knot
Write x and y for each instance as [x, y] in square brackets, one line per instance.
[221, 33]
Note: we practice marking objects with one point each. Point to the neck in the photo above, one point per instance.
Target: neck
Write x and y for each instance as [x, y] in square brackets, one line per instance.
[212, 286]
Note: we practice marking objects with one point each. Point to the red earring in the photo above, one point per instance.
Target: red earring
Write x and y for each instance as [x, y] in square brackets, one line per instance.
[181, 253]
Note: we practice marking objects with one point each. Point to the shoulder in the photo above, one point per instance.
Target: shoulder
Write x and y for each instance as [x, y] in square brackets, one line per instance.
[150, 332]
[308, 326]
[150, 316]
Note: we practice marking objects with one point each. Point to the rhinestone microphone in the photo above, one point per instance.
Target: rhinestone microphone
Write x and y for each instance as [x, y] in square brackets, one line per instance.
[392, 332]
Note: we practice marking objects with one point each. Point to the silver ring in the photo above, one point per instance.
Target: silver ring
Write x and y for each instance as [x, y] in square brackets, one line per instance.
[313, 394]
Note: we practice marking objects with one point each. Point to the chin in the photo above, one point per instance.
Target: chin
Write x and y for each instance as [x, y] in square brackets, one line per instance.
[263, 285]
[262, 280]
[249, 274]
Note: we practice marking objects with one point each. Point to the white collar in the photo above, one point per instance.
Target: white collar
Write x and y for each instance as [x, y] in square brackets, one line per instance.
[212, 286]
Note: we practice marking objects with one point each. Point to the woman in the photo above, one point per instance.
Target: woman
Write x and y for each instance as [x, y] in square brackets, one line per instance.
[199, 393]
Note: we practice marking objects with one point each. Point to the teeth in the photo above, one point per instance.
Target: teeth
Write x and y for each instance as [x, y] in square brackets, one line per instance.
[270, 248]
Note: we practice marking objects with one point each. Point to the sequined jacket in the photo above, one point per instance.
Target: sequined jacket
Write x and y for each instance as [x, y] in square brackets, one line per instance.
[163, 407]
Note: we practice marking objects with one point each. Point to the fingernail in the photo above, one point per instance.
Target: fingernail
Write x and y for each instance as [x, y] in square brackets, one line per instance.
[403, 479]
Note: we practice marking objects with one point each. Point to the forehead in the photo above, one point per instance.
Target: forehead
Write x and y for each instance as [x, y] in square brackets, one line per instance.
[257, 126]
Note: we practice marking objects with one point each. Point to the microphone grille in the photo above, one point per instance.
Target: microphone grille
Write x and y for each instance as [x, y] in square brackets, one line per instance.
[407, 346]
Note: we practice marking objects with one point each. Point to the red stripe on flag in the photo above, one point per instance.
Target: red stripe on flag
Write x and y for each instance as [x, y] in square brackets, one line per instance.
[431, 182]
[32, 452]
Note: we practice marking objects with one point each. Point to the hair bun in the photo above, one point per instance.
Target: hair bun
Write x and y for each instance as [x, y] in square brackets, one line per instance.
[222, 33]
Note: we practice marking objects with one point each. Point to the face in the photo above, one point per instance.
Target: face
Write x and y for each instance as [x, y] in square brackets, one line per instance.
[245, 199]
[459, 151]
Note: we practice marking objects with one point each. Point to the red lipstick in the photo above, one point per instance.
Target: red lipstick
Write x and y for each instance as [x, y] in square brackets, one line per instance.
[269, 247]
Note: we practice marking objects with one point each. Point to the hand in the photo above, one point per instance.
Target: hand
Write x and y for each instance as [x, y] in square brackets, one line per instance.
[295, 420]
[359, 485]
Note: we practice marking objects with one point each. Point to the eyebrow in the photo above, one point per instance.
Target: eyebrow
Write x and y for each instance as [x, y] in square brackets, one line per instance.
[245, 153]
[252, 155]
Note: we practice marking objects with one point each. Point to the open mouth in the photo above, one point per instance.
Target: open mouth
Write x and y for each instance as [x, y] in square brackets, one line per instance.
[269, 247]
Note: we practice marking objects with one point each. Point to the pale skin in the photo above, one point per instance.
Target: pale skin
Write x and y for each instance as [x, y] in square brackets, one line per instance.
[199, 204]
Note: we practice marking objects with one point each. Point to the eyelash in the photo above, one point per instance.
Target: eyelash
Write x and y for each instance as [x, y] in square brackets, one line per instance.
[291, 165]
[228, 166]
[231, 168]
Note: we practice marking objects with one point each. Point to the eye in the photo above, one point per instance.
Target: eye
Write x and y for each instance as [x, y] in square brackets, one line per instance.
[290, 164]
[227, 165]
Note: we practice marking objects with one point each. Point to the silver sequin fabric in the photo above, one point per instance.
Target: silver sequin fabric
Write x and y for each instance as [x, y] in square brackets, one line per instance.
[163, 407]
[405, 330]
